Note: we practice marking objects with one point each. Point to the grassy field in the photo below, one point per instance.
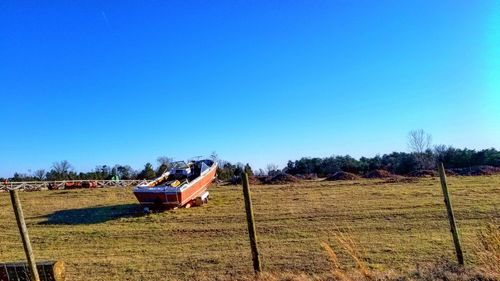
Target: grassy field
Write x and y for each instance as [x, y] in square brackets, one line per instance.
[102, 234]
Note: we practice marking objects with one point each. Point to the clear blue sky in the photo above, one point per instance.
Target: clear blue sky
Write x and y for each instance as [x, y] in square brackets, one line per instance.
[123, 82]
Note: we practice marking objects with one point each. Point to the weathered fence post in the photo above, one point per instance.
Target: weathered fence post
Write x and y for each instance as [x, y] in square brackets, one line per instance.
[251, 223]
[18, 211]
[451, 216]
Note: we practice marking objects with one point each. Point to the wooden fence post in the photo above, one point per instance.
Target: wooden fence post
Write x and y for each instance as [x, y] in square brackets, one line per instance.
[451, 216]
[251, 223]
[18, 211]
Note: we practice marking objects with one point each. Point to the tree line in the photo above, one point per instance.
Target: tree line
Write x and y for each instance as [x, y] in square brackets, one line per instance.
[421, 156]
[63, 170]
[401, 163]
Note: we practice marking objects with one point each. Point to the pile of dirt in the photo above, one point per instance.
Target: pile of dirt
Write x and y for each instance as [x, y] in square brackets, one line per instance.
[282, 178]
[477, 171]
[379, 174]
[423, 173]
[338, 176]
[312, 176]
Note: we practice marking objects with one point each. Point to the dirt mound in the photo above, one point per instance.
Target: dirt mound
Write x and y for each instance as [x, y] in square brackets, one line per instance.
[423, 173]
[312, 176]
[338, 176]
[281, 179]
[379, 174]
[477, 171]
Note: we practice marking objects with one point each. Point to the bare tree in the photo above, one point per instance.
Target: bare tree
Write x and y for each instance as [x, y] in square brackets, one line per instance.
[62, 168]
[124, 172]
[440, 151]
[165, 163]
[419, 141]
[39, 174]
[60, 171]
[419, 144]
[271, 168]
[260, 172]
[164, 160]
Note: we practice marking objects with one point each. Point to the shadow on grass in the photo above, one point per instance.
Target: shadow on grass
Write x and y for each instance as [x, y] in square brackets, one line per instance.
[94, 215]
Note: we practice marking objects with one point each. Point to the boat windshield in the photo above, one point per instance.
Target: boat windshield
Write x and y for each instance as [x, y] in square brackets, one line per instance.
[179, 165]
[204, 167]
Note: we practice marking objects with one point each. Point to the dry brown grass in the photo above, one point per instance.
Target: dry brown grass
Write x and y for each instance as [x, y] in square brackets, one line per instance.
[336, 269]
[101, 234]
[487, 248]
[439, 270]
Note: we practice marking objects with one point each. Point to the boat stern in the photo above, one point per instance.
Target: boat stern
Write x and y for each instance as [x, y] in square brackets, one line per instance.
[157, 197]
